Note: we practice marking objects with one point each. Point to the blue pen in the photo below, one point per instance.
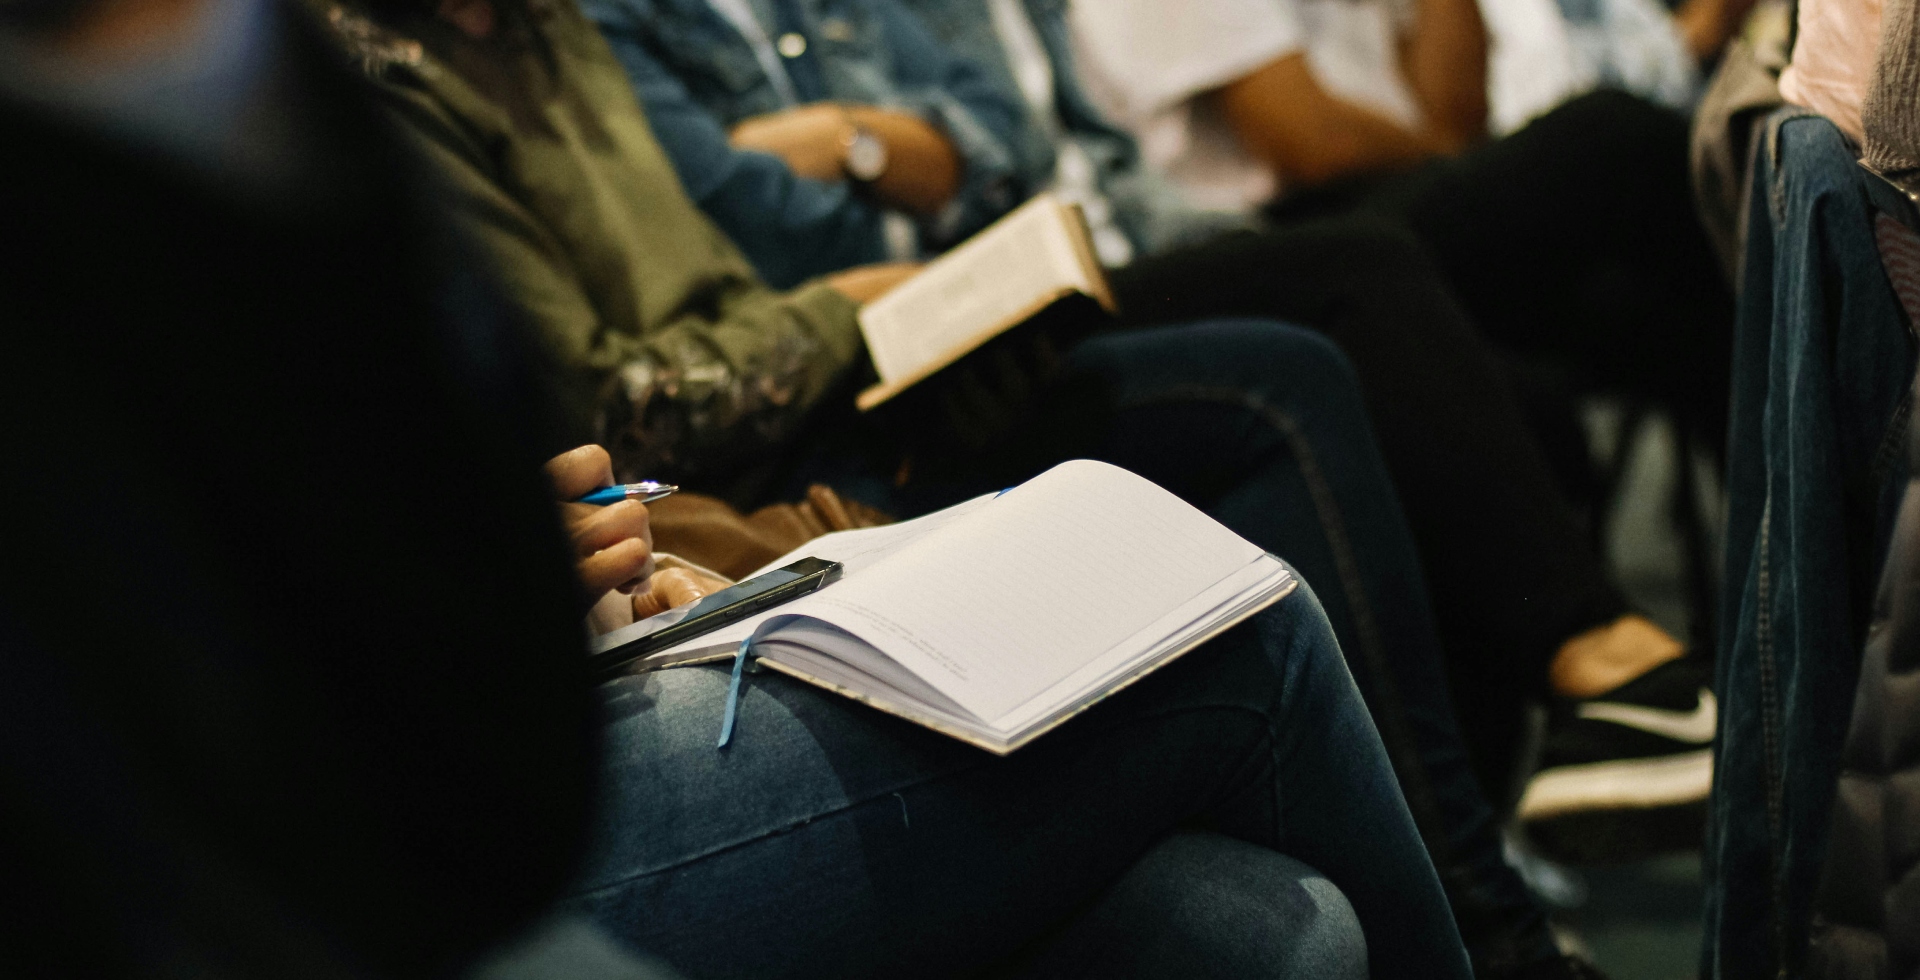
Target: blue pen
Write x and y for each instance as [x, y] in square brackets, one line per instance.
[646, 492]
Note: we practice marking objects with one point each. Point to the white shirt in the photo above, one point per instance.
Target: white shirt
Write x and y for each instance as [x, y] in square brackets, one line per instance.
[1145, 62]
[1540, 56]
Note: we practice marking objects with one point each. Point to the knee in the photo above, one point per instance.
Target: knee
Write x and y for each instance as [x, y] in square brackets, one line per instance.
[1297, 638]
[1244, 363]
[1216, 906]
[1287, 364]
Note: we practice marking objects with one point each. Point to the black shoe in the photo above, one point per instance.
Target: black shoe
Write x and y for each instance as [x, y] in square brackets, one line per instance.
[1624, 775]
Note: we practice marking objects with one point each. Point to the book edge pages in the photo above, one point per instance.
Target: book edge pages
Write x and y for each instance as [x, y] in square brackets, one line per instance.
[878, 394]
[974, 739]
[898, 711]
[1081, 234]
[1148, 667]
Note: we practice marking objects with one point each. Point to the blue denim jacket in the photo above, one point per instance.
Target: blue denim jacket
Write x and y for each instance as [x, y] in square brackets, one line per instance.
[696, 77]
[1821, 362]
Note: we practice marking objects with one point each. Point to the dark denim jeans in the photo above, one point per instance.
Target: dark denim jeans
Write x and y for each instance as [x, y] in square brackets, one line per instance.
[1262, 425]
[832, 840]
[1822, 361]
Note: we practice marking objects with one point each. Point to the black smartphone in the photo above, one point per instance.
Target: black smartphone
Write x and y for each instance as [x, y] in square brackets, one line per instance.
[614, 650]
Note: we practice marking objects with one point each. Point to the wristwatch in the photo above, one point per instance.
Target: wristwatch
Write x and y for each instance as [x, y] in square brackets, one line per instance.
[862, 153]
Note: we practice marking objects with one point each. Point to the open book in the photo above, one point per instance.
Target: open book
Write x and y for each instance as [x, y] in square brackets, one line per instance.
[997, 619]
[1020, 265]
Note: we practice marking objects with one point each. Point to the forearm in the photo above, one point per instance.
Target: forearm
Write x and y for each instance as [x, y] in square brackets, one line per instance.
[1444, 60]
[790, 227]
[1283, 117]
[923, 170]
[701, 399]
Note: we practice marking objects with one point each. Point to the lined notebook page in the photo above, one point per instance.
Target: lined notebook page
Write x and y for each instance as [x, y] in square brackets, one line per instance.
[996, 608]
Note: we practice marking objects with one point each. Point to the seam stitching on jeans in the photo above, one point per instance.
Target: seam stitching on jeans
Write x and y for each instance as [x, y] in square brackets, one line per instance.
[1390, 721]
[887, 794]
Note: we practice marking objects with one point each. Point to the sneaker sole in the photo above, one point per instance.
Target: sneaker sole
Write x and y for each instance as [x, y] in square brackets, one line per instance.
[1627, 784]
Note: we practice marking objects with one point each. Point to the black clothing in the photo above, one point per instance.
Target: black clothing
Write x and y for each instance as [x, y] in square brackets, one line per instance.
[291, 664]
[1867, 911]
[1570, 244]
[1575, 237]
[1513, 573]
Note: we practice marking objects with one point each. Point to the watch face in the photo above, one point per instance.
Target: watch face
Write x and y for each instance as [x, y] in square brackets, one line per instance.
[866, 156]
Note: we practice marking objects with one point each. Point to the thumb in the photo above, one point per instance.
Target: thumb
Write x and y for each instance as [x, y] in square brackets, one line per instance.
[666, 590]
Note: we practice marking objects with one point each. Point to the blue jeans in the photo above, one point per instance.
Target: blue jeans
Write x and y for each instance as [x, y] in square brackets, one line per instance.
[1822, 362]
[832, 840]
[1262, 425]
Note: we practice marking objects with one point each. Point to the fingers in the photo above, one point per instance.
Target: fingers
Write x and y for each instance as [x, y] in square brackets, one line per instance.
[594, 528]
[623, 566]
[580, 471]
[614, 543]
[672, 588]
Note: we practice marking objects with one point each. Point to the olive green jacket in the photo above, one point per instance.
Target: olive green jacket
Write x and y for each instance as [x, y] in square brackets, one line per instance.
[672, 351]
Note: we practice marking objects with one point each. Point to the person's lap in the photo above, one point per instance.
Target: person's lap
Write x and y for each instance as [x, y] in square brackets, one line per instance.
[831, 839]
[1262, 425]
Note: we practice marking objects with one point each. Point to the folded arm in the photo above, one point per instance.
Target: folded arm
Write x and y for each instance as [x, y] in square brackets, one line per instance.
[777, 183]
[793, 224]
[923, 168]
[1308, 135]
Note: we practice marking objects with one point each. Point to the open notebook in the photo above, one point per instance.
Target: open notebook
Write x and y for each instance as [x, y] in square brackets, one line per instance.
[1022, 264]
[997, 619]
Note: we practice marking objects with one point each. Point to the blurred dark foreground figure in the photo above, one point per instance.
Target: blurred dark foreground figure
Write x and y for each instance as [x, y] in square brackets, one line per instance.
[270, 705]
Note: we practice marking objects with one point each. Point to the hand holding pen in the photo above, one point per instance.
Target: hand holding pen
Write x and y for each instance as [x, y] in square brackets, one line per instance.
[612, 540]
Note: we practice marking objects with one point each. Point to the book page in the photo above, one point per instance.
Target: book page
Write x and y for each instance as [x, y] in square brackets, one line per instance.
[1034, 585]
[989, 283]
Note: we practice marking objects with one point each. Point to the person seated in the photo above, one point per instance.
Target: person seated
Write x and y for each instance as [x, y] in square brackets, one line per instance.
[1243, 457]
[832, 829]
[1526, 605]
[348, 729]
[1311, 109]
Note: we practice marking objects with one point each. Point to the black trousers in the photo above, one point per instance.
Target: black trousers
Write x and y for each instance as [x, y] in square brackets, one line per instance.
[1575, 239]
[1512, 571]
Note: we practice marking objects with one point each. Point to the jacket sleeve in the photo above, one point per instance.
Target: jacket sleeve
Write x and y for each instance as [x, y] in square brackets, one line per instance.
[697, 397]
[980, 117]
[790, 227]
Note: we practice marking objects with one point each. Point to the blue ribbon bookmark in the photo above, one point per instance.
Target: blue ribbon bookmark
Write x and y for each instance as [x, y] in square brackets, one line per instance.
[733, 692]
